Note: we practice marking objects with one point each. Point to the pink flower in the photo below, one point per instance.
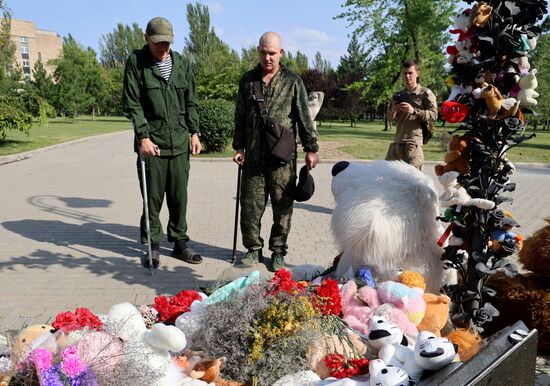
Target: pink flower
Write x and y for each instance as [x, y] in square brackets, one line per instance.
[69, 353]
[43, 359]
[73, 366]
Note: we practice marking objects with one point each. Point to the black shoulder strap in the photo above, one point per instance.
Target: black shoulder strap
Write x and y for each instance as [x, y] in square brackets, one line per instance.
[259, 98]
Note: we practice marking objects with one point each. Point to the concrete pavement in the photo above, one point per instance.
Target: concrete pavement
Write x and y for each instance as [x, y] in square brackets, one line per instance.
[69, 220]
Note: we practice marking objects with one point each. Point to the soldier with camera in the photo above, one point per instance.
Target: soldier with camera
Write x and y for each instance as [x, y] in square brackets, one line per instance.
[413, 109]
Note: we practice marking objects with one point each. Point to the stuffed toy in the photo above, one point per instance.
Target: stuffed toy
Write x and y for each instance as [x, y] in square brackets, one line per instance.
[32, 337]
[147, 349]
[429, 353]
[462, 24]
[384, 375]
[456, 158]
[298, 379]
[454, 112]
[208, 370]
[468, 342]
[382, 210]
[437, 313]
[481, 14]
[383, 332]
[6, 364]
[503, 233]
[458, 92]
[455, 194]
[407, 299]
[527, 94]
[462, 52]
[526, 297]
[358, 307]
[535, 254]
[497, 106]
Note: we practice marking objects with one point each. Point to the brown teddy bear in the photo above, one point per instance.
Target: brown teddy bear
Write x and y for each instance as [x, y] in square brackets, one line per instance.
[456, 158]
[30, 337]
[526, 297]
[208, 370]
[481, 14]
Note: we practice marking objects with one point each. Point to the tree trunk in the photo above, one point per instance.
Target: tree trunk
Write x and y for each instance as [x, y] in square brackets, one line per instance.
[93, 114]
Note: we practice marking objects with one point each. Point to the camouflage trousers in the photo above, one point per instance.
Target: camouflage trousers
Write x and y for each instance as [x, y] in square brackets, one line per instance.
[258, 184]
[408, 152]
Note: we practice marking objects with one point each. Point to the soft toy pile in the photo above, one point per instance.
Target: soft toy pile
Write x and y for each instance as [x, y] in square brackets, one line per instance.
[492, 91]
[246, 332]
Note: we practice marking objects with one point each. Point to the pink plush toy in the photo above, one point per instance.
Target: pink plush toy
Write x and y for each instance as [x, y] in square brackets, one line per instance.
[407, 299]
[358, 307]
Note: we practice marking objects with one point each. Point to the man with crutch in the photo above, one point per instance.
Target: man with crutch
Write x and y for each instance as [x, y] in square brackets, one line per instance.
[160, 99]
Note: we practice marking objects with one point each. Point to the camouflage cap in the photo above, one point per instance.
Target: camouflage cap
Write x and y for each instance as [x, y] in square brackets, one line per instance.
[160, 30]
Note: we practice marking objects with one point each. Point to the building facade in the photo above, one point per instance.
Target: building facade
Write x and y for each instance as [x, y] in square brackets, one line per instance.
[32, 45]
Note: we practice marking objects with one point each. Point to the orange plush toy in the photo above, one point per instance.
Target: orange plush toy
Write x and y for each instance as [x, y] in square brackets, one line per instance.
[208, 370]
[456, 158]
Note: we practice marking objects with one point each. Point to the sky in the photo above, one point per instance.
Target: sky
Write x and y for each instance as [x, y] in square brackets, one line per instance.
[305, 25]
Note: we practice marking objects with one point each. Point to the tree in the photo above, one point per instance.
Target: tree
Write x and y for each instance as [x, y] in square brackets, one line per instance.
[42, 82]
[540, 60]
[396, 30]
[116, 46]
[297, 64]
[321, 65]
[80, 86]
[353, 66]
[209, 53]
[7, 48]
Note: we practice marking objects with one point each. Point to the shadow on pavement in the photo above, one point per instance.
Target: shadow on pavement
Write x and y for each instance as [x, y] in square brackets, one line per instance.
[312, 208]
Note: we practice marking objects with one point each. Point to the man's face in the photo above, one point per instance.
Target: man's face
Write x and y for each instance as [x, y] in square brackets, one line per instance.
[410, 75]
[160, 50]
[270, 54]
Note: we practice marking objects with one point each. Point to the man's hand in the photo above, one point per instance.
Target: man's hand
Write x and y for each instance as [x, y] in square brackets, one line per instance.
[196, 146]
[239, 157]
[406, 107]
[147, 148]
[312, 159]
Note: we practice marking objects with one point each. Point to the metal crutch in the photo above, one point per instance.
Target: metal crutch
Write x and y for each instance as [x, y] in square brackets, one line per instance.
[239, 171]
[146, 210]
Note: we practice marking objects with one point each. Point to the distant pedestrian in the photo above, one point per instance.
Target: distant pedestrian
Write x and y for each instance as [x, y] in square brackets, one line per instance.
[410, 108]
[286, 101]
[160, 99]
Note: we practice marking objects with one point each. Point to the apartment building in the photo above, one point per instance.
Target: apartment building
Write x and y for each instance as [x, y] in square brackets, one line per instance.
[34, 44]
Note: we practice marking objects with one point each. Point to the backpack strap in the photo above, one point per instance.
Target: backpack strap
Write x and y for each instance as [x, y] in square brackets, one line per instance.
[258, 96]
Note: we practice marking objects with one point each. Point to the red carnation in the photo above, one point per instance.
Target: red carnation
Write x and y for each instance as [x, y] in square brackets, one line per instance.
[170, 308]
[66, 319]
[86, 319]
[327, 298]
[282, 281]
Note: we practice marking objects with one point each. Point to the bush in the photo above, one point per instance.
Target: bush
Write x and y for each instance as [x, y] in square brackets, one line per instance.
[13, 116]
[216, 123]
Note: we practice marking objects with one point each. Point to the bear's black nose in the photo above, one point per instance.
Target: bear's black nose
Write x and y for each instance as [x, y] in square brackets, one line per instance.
[338, 167]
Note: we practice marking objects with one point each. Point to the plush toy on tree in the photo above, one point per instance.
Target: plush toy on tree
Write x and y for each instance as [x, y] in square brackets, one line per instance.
[456, 158]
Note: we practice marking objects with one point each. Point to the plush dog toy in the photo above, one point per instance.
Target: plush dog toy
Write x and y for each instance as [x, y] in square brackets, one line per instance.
[31, 338]
[383, 375]
[527, 94]
[383, 210]
[456, 158]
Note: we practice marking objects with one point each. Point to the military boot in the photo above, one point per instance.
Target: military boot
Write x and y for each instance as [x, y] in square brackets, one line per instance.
[252, 257]
[277, 261]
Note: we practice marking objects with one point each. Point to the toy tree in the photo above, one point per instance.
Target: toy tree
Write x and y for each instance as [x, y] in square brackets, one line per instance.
[492, 94]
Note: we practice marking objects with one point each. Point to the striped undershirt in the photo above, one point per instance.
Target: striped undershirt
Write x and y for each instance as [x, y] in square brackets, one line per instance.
[165, 67]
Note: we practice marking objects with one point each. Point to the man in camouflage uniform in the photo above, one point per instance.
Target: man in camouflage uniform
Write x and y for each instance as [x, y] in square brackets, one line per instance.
[287, 101]
[160, 100]
[415, 104]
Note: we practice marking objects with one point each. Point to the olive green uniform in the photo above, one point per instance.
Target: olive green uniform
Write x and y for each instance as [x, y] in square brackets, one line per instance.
[287, 100]
[407, 144]
[165, 112]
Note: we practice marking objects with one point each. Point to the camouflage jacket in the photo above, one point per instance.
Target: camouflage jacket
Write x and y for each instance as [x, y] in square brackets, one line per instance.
[164, 111]
[287, 100]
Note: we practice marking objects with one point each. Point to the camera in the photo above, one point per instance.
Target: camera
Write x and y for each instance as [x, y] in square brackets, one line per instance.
[401, 96]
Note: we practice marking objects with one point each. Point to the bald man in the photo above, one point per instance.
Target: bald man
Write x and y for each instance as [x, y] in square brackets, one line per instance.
[263, 176]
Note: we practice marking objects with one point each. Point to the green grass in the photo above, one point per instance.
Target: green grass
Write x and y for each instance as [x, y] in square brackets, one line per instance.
[369, 141]
[366, 141]
[60, 130]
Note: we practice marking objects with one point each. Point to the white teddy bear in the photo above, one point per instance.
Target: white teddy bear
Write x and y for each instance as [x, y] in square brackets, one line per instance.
[455, 194]
[527, 93]
[149, 350]
[386, 375]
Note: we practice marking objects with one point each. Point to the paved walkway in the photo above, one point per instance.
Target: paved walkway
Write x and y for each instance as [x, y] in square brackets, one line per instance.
[69, 228]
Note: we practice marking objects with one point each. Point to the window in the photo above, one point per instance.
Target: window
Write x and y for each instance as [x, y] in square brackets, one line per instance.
[24, 45]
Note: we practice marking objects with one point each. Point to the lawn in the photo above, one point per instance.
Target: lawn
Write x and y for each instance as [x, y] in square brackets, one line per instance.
[366, 141]
[60, 130]
[369, 141]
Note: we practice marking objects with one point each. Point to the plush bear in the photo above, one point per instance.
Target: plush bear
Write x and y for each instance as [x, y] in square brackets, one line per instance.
[208, 370]
[455, 194]
[147, 350]
[456, 158]
[497, 106]
[382, 210]
[526, 297]
[32, 337]
[437, 313]
[481, 14]
[527, 94]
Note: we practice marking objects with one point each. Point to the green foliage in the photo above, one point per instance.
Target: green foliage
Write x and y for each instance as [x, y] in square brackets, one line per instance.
[113, 79]
[209, 53]
[42, 83]
[80, 85]
[216, 123]
[13, 116]
[38, 107]
[7, 50]
[353, 66]
[540, 59]
[395, 30]
[322, 65]
[297, 64]
[116, 46]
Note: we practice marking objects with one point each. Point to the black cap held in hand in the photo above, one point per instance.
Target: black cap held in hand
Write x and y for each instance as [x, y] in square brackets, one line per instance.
[306, 185]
